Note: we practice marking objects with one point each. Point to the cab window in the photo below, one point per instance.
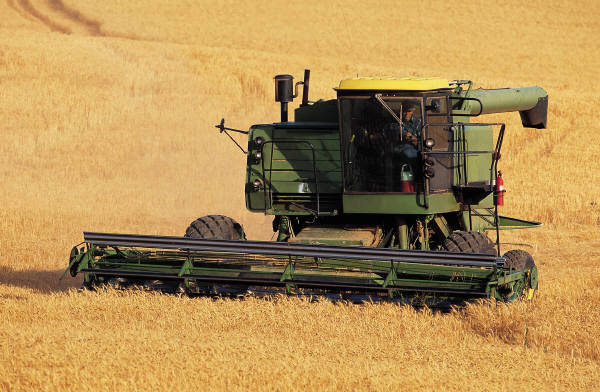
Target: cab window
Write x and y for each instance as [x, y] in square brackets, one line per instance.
[380, 141]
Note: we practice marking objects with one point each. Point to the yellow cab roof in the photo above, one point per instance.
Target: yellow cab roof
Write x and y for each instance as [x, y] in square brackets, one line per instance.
[393, 83]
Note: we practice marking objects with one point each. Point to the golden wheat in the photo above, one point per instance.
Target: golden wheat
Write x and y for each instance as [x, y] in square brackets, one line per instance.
[107, 110]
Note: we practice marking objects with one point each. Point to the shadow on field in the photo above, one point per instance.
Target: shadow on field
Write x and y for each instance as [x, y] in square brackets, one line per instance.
[44, 281]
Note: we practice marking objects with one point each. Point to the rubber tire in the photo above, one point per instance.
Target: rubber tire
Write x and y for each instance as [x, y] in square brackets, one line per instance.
[469, 242]
[519, 259]
[215, 227]
[218, 227]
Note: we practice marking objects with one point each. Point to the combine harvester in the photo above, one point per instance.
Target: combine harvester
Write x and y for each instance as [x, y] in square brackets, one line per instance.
[384, 193]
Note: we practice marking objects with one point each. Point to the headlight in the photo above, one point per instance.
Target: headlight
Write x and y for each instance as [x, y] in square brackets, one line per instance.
[257, 184]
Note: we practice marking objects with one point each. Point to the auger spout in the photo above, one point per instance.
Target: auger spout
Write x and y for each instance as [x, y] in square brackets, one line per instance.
[530, 102]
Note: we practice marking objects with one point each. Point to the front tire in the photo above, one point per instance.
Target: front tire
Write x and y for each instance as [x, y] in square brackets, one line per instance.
[215, 227]
[222, 228]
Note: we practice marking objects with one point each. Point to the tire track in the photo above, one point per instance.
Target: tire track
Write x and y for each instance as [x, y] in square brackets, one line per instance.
[13, 6]
[27, 7]
[78, 21]
[94, 27]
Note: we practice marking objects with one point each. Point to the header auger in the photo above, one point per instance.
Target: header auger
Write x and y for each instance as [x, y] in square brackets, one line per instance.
[387, 192]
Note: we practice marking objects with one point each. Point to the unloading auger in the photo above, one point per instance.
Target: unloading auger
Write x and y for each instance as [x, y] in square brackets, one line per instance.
[387, 192]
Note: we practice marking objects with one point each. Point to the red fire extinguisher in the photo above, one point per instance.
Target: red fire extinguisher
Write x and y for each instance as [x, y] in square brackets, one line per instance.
[407, 179]
[500, 190]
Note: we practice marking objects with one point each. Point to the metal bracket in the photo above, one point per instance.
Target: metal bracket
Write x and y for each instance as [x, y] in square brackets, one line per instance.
[222, 128]
[86, 261]
[186, 267]
[75, 260]
[288, 274]
[390, 279]
[462, 99]
[391, 112]
[506, 278]
[391, 276]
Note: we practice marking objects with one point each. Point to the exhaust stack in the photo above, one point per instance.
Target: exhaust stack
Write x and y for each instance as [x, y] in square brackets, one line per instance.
[284, 91]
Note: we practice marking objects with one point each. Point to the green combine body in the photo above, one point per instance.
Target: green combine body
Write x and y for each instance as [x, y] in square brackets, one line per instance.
[387, 191]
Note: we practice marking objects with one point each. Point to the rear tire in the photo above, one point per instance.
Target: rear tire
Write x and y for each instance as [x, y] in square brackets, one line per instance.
[469, 242]
[215, 227]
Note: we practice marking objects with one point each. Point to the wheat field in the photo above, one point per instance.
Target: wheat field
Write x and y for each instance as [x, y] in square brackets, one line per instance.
[107, 112]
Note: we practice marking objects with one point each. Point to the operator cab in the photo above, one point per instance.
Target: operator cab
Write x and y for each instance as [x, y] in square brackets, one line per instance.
[384, 125]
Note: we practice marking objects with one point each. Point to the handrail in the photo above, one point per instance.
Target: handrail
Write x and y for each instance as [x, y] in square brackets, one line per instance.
[493, 167]
[495, 153]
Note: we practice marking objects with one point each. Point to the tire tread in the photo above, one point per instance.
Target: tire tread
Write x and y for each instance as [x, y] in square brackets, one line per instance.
[215, 226]
[469, 242]
[519, 260]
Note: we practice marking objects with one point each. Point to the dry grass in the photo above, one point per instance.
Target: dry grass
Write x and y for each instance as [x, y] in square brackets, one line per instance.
[107, 111]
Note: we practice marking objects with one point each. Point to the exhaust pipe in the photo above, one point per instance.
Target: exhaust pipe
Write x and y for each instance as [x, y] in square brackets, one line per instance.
[284, 91]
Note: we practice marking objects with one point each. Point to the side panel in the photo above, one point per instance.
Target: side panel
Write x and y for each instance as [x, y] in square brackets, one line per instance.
[479, 138]
[437, 128]
[399, 204]
[298, 161]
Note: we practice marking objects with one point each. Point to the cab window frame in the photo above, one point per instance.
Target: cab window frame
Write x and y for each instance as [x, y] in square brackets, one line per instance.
[344, 143]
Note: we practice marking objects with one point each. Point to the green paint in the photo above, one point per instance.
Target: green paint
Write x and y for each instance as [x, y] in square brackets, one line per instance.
[504, 99]
[186, 267]
[409, 204]
[514, 223]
